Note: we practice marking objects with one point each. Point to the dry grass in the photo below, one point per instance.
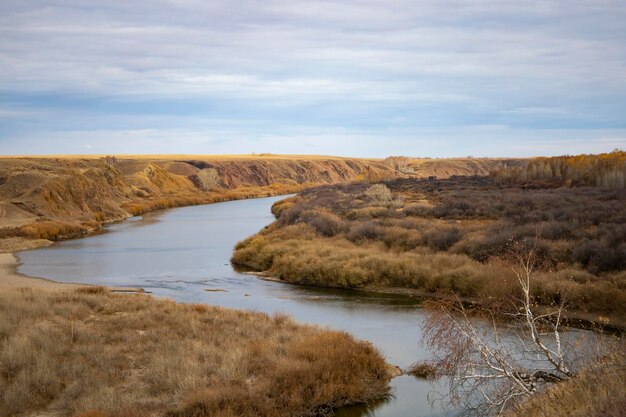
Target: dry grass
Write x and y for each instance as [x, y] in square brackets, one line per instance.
[146, 205]
[100, 354]
[297, 255]
[596, 392]
[452, 235]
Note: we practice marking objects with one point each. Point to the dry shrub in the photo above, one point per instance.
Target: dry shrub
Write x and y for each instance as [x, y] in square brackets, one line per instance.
[101, 354]
[92, 290]
[370, 212]
[341, 263]
[52, 230]
[421, 210]
[379, 194]
[596, 392]
[208, 178]
[423, 370]
[364, 231]
[442, 239]
[325, 223]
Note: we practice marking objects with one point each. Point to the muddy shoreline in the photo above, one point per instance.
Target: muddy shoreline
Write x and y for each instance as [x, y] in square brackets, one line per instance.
[10, 278]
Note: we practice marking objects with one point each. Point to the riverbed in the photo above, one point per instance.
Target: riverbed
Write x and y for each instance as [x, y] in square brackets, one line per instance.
[184, 254]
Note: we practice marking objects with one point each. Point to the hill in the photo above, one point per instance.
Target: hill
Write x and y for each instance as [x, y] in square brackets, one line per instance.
[57, 197]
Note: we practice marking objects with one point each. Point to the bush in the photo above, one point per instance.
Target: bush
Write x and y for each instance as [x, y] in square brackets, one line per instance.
[442, 239]
[208, 178]
[423, 370]
[379, 194]
[598, 256]
[325, 223]
[349, 242]
[364, 231]
[420, 210]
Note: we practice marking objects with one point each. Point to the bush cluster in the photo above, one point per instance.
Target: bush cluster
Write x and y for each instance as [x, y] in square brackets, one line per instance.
[452, 234]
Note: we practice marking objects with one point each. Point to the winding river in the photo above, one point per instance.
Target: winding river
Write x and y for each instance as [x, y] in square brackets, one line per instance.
[184, 254]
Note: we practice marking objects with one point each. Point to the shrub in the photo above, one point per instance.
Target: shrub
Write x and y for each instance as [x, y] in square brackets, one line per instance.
[421, 210]
[423, 370]
[379, 194]
[442, 239]
[597, 256]
[325, 223]
[208, 178]
[363, 231]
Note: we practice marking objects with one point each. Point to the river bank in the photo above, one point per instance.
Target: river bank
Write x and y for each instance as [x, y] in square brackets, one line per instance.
[463, 236]
[69, 351]
[573, 319]
[10, 279]
[195, 257]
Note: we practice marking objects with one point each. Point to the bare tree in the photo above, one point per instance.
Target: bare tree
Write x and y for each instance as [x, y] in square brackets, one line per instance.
[490, 369]
[110, 159]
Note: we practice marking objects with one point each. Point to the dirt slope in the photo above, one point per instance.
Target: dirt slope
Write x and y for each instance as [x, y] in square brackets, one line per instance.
[58, 197]
[67, 196]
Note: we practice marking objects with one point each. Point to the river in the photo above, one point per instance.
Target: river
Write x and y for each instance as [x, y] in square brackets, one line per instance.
[183, 252]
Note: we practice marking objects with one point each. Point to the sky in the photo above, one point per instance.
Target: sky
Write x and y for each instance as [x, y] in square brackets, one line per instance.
[434, 78]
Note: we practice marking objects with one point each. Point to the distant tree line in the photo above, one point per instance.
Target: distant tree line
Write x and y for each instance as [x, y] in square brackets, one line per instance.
[607, 170]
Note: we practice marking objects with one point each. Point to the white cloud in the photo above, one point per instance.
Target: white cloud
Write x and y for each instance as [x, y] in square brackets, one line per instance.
[445, 62]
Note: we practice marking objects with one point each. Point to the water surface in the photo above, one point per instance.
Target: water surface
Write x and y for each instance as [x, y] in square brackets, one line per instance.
[180, 253]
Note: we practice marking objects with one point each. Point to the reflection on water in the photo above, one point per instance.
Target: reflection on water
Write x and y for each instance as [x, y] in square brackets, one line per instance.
[182, 253]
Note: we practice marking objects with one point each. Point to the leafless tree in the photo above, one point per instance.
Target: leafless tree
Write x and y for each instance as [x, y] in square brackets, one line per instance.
[110, 159]
[490, 369]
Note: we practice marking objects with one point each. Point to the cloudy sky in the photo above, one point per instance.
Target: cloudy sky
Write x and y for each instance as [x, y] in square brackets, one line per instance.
[351, 77]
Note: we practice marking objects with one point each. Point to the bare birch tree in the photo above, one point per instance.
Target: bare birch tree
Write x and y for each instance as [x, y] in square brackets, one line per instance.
[490, 369]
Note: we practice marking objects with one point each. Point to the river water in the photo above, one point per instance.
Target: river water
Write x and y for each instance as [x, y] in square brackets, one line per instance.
[181, 253]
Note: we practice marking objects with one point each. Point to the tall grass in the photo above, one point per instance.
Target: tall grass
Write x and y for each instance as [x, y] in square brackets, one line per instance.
[96, 354]
[596, 392]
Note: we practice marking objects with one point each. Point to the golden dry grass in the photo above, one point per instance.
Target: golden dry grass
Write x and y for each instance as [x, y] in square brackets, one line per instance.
[596, 392]
[99, 354]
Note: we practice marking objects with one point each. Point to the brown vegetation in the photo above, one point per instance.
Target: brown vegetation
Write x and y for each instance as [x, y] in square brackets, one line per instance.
[607, 170]
[597, 391]
[450, 235]
[68, 196]
[423, 370]
[446, 168]
[58, 198]
[95, 354]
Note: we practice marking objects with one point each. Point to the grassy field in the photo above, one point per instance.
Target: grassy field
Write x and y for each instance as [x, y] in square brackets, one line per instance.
[91, 353]
[437, 236]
